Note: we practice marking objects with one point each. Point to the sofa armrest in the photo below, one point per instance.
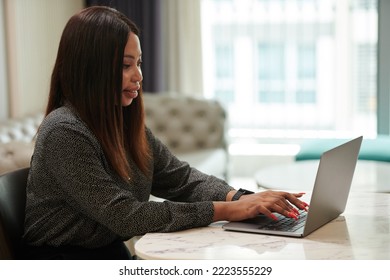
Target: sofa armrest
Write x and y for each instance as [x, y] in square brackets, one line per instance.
[23, 129]
[15, 155]
[16, 141]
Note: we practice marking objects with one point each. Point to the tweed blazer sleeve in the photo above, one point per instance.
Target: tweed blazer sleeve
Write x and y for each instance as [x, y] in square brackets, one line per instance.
[177, 181]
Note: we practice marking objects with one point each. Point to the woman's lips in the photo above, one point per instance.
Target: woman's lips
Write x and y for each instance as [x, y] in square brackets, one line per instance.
[130, 93]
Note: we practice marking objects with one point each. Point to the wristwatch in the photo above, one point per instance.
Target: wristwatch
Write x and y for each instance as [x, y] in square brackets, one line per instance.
[239, 193]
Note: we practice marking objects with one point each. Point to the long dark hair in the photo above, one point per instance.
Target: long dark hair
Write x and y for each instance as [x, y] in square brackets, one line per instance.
[88, 74]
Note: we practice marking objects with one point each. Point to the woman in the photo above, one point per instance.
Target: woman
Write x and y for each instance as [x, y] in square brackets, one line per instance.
[95, 163]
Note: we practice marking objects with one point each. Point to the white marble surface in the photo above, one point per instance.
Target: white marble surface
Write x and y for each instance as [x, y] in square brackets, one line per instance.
[369, 176]
[361, 232]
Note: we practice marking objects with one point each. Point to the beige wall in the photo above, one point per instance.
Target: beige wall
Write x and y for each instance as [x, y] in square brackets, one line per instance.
[33, 30]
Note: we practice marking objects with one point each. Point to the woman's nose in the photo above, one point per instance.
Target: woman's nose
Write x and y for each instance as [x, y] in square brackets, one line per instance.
[138, 75]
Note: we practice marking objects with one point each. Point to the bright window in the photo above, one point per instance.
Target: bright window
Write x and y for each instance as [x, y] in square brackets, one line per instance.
[292, 69]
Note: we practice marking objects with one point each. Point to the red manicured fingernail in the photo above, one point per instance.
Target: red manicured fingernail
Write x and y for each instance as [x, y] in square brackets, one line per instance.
[274, 217]
[304, 206]
[292, 215]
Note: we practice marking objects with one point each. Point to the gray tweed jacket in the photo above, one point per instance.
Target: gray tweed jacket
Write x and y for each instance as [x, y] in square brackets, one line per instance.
[74, 197]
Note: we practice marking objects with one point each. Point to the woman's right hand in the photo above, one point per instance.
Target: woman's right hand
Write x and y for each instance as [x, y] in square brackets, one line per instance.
[266, 202]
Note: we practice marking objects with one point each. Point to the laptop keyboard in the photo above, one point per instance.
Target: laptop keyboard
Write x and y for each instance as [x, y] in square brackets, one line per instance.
[286, 224]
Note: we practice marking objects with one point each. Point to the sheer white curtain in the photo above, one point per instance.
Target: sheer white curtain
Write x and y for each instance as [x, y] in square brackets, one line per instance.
[33, 30]
[182, 47]
[3, 72]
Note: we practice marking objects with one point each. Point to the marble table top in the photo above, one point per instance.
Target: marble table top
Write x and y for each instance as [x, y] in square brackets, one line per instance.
[361, 232]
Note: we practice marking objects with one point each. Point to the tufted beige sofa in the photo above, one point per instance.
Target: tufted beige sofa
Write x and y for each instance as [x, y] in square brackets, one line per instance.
[16, 142]
[194, 129]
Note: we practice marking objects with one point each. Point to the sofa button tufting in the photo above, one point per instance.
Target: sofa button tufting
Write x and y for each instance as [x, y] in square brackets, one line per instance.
[187, 128]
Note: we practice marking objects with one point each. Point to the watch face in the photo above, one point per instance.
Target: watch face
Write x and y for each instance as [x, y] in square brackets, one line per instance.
[245, 191]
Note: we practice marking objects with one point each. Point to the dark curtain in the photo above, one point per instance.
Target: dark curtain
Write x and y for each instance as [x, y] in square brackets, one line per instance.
[146, 14]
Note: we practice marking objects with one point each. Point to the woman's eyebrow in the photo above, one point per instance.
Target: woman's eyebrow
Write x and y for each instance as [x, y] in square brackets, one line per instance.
[132, 56]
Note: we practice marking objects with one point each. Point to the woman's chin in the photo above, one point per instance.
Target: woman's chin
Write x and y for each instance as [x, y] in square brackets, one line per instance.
[126, 102]
[127, 97]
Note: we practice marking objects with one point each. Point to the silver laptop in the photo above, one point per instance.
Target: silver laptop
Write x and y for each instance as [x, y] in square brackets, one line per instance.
[328, 200]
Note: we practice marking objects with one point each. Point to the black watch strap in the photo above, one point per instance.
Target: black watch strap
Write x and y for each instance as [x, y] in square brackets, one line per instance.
[239, 193]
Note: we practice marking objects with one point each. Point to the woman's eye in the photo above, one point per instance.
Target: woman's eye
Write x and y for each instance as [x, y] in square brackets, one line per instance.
[125, 66]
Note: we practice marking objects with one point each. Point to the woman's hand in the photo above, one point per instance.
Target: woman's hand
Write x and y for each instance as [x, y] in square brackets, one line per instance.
[249, 206]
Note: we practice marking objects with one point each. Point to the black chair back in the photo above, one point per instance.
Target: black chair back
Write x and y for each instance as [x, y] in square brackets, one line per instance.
[12, 212]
